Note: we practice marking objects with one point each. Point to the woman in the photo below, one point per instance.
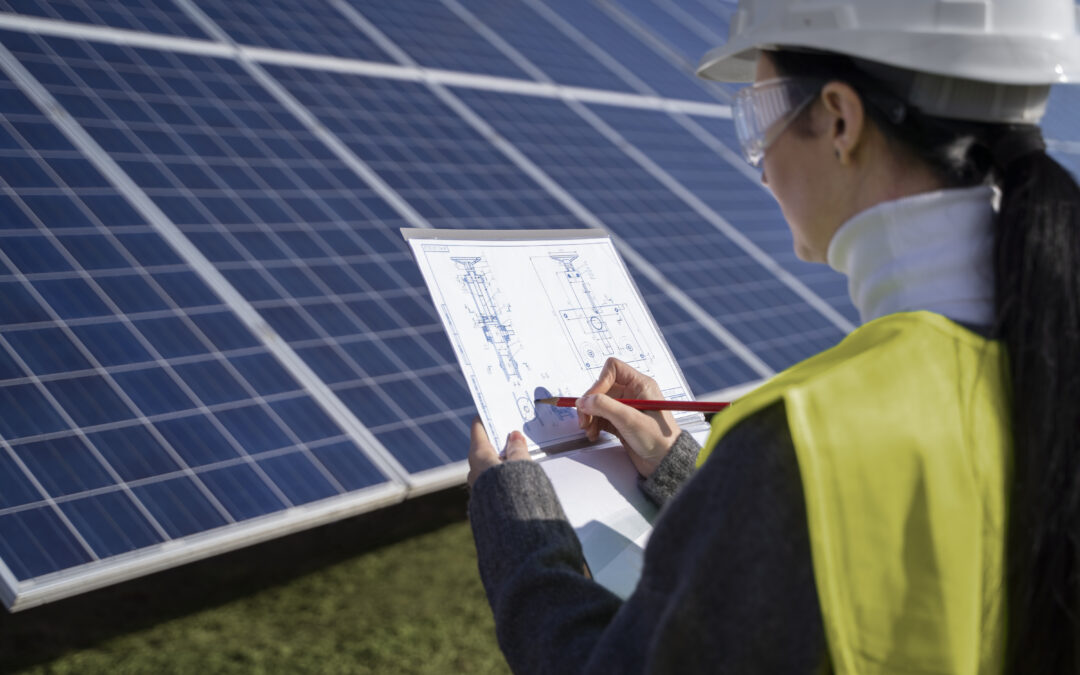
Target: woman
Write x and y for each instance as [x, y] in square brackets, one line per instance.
[850, 515]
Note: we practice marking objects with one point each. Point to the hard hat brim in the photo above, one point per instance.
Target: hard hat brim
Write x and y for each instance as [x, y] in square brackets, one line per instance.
[1024, 60]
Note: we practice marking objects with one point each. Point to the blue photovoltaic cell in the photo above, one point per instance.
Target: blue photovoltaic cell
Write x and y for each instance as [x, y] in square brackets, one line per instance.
[432, 158]
[101, 329]
[637, 56]
[544, 45]
[301, 236]
[310, 26]
[154, 16]
[138, 408]
[436, 37]
[431, 151]
[705, 361]
[748, 207]
[179, 507]
[676, 27]
[746, 298]
[36, 541]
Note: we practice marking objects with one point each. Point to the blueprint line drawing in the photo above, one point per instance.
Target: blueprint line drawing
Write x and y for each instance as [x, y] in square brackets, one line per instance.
[494, 322]
[596, 326]
[536, 314]
[489, 317]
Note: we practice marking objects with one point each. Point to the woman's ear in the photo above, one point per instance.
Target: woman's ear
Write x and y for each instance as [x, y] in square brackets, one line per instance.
[847, 119]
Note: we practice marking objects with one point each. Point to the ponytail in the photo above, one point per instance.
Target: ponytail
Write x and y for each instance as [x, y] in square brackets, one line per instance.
[1037, 296]
[1037, 309]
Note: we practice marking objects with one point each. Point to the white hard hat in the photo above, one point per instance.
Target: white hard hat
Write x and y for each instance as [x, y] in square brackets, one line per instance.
[959, 52]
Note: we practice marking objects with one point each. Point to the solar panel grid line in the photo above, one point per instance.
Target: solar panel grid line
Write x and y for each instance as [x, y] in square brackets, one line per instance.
[636, 260]
[546, 89]
[367, 28]
[737, 162]
[65, 583]
[732, 393]
[8, 585]
[697, 204]
[585, 94]
[51, 503]
[271, 55]
[415, 480]
[295, 25]
[155, 16]
[126, 36]
[687, 44]
[733, 158]
[660, 46]
[340, 149]
[327, 338]
[537, 174]
[599, 54]
[154, 479]
[144, 420]
[119, 391]
[496, 40]
[721, 223]
[153, 214]
[80, 430]
[330, 254]
[450, 474]
[690, 22]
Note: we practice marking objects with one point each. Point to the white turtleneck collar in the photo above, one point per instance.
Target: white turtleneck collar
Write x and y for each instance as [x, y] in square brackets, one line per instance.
[931, 251]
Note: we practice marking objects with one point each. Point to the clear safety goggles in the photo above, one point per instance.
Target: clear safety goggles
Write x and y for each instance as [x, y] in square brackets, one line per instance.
[763, 110]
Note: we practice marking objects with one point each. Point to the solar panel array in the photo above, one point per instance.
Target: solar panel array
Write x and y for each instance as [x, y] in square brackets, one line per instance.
[211, 332]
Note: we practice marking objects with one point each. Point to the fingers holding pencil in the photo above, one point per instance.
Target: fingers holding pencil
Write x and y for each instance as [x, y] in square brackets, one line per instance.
[617, 379]
[647, 435]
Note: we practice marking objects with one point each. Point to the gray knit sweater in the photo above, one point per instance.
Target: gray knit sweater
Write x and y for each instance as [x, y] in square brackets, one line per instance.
[727, 585]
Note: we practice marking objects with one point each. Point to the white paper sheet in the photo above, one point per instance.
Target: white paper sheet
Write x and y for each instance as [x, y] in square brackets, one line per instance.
[533, 314]
[536, 317]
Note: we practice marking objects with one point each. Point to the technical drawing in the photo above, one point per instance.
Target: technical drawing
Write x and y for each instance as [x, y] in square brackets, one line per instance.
[533, 315]
[597, 327]
[497, 330]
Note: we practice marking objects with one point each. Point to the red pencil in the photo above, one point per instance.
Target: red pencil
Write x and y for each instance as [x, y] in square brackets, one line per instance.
[642, 404]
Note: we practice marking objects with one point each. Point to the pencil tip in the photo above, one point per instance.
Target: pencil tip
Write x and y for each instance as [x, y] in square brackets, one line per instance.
[549, 401]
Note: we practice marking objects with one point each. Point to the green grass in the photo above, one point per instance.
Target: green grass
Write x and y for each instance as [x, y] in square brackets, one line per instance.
[395, 591]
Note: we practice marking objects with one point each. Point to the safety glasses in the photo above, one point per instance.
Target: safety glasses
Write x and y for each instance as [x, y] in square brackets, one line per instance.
[763, 110]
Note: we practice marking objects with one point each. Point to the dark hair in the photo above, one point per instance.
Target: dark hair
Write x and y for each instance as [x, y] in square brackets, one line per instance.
[1037, 316]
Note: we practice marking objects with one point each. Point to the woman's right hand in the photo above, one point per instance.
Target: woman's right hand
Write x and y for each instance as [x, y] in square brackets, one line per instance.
[648, 436]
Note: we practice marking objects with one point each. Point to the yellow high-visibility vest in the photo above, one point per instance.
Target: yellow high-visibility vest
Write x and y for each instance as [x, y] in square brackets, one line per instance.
[903, 441]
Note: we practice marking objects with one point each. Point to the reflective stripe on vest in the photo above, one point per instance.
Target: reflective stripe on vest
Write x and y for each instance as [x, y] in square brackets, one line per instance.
[902, 438]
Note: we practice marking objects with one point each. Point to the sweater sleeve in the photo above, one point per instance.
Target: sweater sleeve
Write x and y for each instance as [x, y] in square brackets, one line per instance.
[727, 585]
[674, 470]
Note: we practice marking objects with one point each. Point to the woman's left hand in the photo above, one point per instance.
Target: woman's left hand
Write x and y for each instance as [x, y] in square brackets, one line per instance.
[482, 454]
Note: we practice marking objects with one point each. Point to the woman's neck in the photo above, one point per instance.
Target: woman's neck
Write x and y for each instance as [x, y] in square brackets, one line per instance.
[931, 251]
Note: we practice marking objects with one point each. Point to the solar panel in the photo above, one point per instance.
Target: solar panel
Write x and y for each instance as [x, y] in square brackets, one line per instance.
[671, 235]
[139, 411]
[652, 64]
[294, 25]
[211, 332]
[413, 25]
[153, 16]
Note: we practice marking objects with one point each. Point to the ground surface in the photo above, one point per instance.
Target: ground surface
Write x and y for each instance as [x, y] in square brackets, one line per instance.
[394, 591]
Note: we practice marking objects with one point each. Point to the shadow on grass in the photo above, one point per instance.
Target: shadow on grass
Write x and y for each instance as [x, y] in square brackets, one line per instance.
[41, 634]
